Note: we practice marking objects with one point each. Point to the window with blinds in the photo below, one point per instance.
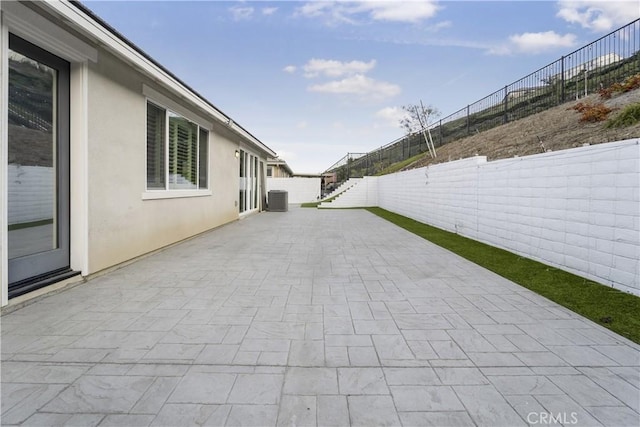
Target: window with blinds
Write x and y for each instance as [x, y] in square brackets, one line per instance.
[177, 151]
[203, 153]
[155, 147]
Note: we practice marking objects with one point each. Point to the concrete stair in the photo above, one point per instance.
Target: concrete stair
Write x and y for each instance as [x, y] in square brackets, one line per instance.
[342, 188]
[360, 194]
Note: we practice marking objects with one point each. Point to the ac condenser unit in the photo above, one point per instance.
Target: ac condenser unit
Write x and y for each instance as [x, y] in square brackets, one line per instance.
[278, 201]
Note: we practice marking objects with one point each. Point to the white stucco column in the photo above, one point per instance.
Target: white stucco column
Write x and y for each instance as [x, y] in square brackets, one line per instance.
[78, 168]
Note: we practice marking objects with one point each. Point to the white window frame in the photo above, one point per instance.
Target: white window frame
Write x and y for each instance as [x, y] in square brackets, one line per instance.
[169, 106]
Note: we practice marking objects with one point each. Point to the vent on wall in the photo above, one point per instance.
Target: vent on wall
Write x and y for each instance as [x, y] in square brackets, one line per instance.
[278, 201]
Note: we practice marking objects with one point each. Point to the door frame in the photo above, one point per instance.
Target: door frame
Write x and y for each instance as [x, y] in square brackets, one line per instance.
[46, 32]
[21, 278]
[250, 164]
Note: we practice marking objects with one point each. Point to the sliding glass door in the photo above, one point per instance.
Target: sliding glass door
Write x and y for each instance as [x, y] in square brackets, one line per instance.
[249, 179]
[38, 163]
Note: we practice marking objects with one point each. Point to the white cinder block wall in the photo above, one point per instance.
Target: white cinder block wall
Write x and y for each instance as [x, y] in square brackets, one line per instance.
[444, 195]
[299, 189]
[576, 209]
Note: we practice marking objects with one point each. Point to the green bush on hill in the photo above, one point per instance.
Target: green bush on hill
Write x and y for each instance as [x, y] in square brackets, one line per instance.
[630, 115]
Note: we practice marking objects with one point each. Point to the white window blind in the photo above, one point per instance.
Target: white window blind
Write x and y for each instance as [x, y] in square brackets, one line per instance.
[183, 153]
[177, 151]
[203, 151]
[155, 147]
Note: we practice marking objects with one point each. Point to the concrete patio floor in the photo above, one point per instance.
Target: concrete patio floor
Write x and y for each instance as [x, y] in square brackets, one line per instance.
[310, 317]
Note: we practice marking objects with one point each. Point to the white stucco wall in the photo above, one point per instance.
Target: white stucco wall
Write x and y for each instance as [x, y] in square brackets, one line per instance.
[121, 223]
[300, 190]
[576, 209]
[113, 218]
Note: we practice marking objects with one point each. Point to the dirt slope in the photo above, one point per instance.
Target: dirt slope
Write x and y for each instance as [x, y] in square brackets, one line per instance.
[556, 129]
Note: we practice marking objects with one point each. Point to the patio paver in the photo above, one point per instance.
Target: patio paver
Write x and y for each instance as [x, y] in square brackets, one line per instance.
[310, 317]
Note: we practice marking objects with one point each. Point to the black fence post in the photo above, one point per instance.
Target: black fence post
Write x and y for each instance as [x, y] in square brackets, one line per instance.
[562, 79]
[468, 121]
[505, 119]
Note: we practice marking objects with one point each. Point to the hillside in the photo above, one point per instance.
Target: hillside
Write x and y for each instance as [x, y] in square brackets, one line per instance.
[555, 129]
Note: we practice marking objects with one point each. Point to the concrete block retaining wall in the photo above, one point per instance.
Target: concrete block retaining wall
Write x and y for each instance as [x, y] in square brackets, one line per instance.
[576, 209]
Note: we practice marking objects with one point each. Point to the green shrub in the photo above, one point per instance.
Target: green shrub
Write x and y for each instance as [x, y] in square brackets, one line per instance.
[630, 115]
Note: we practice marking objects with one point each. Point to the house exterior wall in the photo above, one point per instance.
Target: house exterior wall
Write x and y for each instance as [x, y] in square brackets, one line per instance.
[279, 172]
[300, 190]
[113, 218]
[330, 177]
[122, 224]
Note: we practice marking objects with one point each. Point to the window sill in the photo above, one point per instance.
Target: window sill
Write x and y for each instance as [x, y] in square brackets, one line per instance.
[174, 194]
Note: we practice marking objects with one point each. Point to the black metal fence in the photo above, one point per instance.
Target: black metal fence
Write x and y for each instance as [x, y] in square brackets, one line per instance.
[608, 60]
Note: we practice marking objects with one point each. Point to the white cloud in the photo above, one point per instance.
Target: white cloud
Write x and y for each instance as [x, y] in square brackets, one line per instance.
[241, 13]
[333, 12]
[348, 79]
[333, 68]
[314, 9]
[359, 85]
[538, 42]
[400, 11]
[391, 116]
[439, 26]
[290, 69]
[533, 43]
[269, 10]
[599, 15]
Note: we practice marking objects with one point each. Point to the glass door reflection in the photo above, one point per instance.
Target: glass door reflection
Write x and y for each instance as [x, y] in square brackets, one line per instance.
[32, 199]
[38, 201]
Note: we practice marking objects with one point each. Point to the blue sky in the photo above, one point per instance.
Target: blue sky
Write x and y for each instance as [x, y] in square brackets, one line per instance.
[315, 80]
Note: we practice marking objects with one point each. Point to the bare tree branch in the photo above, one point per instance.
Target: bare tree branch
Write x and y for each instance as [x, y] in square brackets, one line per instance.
[417, 121]
[418, 117]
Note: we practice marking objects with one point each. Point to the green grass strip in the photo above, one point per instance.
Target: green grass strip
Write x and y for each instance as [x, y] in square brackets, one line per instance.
[310, 205]
[613, 309]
